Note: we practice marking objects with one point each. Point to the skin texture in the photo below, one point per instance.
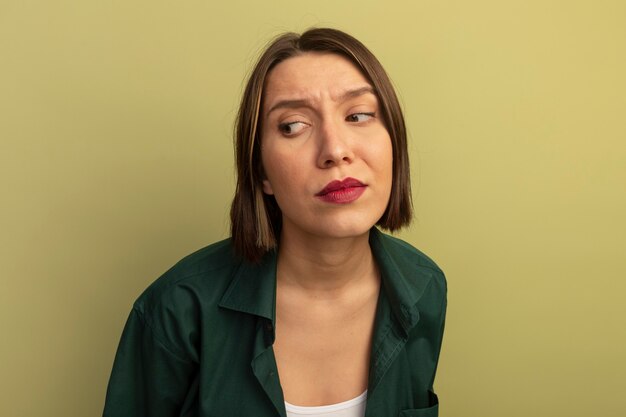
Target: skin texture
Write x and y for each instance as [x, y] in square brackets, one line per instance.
[320, 123]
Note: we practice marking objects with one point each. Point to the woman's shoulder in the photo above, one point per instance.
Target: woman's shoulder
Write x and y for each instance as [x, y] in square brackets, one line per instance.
[414, 283]
[403, 249]
[198, 278]
[403, 253]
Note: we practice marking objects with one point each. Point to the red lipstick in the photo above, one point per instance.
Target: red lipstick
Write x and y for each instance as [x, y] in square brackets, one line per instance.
[342, 192]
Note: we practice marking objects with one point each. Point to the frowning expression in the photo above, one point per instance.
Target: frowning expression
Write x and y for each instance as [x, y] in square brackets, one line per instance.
[326, 153]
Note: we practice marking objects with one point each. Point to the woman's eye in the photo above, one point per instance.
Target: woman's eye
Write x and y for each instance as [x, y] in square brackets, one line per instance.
[291, 128]
[359, 117]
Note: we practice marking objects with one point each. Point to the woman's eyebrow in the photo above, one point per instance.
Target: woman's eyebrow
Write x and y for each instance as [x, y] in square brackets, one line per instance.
[290, 104]
[346, 95]
[298, 103]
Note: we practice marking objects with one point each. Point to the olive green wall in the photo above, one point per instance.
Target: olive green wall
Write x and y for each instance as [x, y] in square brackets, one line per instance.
[116, 161]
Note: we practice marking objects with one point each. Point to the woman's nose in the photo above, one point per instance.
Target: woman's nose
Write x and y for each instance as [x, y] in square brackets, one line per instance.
[334, 145]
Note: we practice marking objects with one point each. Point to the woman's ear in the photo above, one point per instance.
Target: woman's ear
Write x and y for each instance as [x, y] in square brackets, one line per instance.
[267, 187]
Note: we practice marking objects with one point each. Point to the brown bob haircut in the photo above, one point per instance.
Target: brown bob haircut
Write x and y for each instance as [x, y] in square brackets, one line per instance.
[255, 216]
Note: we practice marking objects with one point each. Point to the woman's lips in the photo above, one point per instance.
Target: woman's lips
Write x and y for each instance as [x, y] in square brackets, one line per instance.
[342, 192]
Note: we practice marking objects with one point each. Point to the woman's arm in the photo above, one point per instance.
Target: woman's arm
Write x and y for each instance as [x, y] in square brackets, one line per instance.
[149, 378]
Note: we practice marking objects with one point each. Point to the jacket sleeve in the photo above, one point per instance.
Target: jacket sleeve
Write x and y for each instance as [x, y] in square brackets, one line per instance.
[441, 322]
[148, 377]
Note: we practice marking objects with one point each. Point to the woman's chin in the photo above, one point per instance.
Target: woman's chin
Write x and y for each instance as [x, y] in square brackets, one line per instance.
[330, 230]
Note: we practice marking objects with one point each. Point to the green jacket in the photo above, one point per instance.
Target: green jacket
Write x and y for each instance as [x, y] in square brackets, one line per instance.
[198, 341]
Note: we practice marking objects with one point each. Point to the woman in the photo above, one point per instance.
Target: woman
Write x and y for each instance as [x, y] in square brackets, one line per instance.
[308, 308]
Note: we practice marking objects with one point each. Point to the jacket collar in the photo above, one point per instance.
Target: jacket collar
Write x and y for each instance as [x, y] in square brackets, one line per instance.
[404, 280]
[253, 288]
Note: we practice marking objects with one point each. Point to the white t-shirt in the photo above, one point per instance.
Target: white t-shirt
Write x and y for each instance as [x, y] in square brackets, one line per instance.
[351, 408]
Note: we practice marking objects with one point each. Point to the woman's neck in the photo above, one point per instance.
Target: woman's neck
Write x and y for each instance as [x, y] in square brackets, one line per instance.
[325, 267]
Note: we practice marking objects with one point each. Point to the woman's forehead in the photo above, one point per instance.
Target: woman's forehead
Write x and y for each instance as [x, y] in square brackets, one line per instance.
[313, 76]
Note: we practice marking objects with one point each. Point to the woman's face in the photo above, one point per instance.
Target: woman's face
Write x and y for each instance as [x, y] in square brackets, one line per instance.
[326, 153]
